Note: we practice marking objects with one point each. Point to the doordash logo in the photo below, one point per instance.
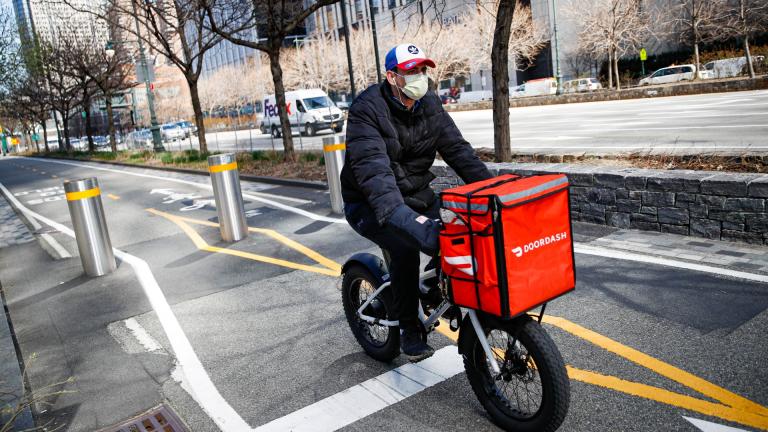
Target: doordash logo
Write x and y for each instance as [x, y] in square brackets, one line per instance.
[544, 241]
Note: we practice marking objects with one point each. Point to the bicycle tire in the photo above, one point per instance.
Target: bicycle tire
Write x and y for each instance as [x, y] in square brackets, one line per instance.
[384, 350]
[547, 364]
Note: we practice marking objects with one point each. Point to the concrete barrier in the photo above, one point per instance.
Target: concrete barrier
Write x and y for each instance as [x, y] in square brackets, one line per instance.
[702, 87]
[714, 205]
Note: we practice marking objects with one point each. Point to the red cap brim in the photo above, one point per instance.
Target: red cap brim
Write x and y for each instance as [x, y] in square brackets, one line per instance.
[410, 64]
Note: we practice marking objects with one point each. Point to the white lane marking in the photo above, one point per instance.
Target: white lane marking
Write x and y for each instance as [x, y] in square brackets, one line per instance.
[195, 379]
[629, 256]
[145, 339]
[706, 426]
[368, 397]
[58, 249]
[249, 195]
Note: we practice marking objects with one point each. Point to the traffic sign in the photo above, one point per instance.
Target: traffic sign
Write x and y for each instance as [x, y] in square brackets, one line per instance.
[643, 54]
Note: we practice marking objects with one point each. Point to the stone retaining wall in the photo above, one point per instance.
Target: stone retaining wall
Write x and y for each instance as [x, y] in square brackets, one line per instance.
[721, 206]
[633, 93]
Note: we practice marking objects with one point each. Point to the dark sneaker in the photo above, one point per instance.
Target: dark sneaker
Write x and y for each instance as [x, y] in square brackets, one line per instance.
[412, 345]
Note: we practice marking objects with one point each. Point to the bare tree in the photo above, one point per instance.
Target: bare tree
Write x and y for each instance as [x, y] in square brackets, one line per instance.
[697, 21]
[513, 35]
[614, 27]
[176, 29]
[62, 89]
[275, 20]
[744, 19]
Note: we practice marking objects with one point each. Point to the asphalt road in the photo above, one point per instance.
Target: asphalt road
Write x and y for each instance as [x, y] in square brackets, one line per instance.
[724, 123]
[273, 338]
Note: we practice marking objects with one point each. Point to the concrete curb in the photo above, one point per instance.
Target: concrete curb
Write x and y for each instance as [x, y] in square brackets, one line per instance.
[703, 87]
[708, 204]
[269, 180]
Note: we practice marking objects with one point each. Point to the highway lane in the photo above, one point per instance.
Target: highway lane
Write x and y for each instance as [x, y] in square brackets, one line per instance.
[723, 123]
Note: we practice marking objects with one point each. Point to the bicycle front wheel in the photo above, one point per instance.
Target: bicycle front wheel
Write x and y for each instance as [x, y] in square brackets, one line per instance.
[532, 392]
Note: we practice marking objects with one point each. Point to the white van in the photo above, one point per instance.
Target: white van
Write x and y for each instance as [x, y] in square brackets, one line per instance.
[309, 111]
[581, 85]
[539, 87]
[731, 67]
[674, 74]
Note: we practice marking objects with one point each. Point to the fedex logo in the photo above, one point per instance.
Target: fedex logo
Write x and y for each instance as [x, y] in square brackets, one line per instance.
[544, 241]
[272, 110]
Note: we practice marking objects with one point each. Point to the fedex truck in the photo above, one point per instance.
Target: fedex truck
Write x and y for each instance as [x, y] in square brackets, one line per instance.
[309, 111]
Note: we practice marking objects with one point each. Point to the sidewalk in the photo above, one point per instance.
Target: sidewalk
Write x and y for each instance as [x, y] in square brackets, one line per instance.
[12, 232]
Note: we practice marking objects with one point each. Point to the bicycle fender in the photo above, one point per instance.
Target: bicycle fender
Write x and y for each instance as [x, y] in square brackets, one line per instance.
[371, 262]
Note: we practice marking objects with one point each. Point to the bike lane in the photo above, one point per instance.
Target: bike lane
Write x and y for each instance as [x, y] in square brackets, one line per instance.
[266, 341]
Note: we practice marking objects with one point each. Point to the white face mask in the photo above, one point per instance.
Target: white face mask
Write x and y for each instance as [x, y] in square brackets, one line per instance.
[415, 85]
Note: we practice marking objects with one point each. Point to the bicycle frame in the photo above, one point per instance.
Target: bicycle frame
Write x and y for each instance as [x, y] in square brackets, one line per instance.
[428, 322]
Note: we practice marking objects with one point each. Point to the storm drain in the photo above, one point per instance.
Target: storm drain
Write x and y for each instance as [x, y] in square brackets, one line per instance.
[160, 419]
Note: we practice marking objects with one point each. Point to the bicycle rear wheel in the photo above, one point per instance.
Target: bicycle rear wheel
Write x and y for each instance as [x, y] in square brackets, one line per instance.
[532, 392]
[379, 341]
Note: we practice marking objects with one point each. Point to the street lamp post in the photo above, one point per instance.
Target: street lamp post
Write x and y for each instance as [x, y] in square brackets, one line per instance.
[157, 141]
[346, 42]
[375, 40]
[558, 73]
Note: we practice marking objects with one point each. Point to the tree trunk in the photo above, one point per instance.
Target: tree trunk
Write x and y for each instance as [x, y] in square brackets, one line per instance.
[616, 70]
[285, 123]
[88, 128]
[500, 75]
[45, 136]
[610, 69]
[749, 57]
[199, 119]
[59, 142]
[65, 125]
[696, 55]
[111, 123]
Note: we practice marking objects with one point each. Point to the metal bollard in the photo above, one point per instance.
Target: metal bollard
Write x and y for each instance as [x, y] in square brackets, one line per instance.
[229, 199]
[334, 149]
[90, 226]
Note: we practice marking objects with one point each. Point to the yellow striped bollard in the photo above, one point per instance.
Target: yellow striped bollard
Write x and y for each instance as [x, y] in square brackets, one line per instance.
[229, 198]
[334, 149]
[90, 226]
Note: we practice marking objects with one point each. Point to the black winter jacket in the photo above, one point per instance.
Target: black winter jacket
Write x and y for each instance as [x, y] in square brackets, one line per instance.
[390, 149]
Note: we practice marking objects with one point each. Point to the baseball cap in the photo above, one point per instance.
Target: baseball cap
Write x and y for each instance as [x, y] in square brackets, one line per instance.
[406, 56]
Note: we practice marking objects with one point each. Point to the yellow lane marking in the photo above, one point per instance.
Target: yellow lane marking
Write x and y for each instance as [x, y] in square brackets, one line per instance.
[226, 167]
[670, 398]
[200, 243]
[74, 196]
[114, 197]
[664, 369]
[333, 265]
[735, 413]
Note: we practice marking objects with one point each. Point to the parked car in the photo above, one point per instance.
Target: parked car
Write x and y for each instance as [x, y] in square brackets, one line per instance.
[343, 105]
[100, 141]
[673, 74]
[518, 91]
[141, 138]
[171, 131]
[581, 85]
[188, 127]
[731, 67]
[308, 110]
[447, 99]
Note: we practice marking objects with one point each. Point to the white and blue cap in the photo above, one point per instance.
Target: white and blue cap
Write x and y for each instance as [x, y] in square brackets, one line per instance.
[406, 56]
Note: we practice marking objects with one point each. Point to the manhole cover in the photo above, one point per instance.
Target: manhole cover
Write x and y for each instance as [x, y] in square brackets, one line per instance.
[160, 419]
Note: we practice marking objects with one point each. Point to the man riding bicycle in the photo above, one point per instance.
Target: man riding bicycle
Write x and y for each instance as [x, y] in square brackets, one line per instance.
[394, 131]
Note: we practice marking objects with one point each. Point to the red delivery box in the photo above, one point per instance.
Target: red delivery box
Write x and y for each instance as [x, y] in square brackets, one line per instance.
[506, 243]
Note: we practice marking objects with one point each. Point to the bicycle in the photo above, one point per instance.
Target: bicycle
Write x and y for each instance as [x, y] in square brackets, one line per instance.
[502, 358]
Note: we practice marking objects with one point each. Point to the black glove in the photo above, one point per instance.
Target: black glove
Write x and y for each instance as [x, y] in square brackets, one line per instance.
[421, 228]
